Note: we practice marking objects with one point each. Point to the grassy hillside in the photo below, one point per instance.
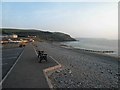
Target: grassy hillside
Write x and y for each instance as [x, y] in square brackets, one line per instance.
[44, 35]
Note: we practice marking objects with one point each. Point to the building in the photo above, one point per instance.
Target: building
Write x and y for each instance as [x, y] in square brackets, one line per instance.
[14, 36]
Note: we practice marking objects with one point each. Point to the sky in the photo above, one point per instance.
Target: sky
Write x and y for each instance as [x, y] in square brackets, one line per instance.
[78, 19]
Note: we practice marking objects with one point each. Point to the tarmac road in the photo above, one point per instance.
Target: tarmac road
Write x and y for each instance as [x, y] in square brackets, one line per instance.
[9, 56]
[28, 73]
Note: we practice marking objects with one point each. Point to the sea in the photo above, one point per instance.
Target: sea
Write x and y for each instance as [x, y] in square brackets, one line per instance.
[96, 44]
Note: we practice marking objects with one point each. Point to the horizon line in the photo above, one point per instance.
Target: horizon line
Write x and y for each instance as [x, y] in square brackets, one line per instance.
[55, 31]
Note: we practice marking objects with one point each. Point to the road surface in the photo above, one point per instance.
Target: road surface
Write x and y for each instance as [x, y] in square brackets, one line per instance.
[28, 73]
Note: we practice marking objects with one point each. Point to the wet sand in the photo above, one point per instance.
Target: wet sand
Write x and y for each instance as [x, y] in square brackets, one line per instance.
[81, 69]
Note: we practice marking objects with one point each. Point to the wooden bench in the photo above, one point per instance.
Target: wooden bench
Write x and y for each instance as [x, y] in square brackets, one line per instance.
[40, 53]
[42, 56]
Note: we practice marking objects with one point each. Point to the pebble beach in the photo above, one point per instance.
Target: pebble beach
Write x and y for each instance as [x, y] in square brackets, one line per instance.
[81, 69]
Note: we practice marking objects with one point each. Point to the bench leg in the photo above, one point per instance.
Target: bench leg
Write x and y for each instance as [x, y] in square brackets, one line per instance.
[38, 55]
[46, 59]
[40, 59]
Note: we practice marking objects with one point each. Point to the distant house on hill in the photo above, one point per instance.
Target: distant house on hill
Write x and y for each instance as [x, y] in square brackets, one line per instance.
[9, 36]
[14, 36]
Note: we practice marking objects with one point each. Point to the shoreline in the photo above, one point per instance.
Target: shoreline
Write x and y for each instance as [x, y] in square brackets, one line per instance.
[101, 52]
[81, 69]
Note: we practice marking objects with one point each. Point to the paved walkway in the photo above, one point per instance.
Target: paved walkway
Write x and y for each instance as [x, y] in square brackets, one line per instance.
[28, 73]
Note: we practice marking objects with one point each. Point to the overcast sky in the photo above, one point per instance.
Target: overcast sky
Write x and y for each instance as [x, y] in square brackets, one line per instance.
[79, 19]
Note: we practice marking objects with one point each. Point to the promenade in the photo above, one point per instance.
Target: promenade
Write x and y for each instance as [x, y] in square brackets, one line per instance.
[79, 69]
[27, 72]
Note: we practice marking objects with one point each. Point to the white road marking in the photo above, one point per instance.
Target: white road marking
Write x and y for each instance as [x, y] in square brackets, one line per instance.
[11, 69]
[48, 55]
[49, 68]
[35, 51]
[54, 60]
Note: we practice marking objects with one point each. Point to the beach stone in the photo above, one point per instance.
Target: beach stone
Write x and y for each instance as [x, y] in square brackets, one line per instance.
[70, 71]
[118, 74]
[59, 81]
[58, 71]
[66, 82]
[71, 79]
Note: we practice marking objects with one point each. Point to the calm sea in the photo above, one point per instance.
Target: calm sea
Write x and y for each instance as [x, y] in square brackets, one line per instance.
[95, 44]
